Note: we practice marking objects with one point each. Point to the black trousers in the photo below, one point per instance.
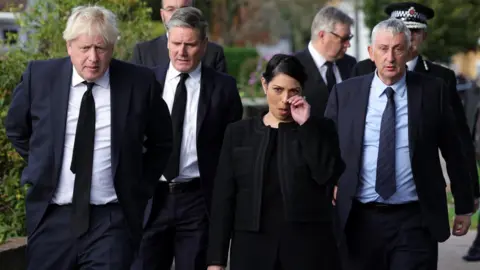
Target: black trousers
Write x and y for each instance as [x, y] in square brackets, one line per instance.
[388, 238]
[107, 245]
[178, 228]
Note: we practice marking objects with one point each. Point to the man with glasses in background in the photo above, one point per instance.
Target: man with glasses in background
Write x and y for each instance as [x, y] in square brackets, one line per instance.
[324, 59]
[155, 52]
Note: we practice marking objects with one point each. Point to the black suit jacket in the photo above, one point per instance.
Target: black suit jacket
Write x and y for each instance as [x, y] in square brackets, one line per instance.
[309, 165]
[155, 53]
[448, 76]
[431, 125]
[36, 127]
[219, 105]
[315, 89]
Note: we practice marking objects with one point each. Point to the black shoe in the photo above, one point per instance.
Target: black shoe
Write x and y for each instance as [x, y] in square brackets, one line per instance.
[473, 255]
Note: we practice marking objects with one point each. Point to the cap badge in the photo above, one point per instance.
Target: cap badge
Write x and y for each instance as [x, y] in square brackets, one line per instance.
[411, 11]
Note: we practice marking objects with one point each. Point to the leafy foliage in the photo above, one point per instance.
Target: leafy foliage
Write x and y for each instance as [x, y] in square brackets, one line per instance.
[455, 27]
[44, 23]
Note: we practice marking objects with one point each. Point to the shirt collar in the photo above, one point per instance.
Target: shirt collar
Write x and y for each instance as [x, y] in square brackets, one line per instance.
[195, 75]
[317, 58]
[103, 81]
[412, 63]
[379, 87]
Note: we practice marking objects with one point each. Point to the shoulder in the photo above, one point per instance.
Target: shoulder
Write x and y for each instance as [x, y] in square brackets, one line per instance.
[440, 71]
[214, 47]
[365, 63]
[348, 59]
[219, 76]
[354, 82]
[303, 54]
[150, 43]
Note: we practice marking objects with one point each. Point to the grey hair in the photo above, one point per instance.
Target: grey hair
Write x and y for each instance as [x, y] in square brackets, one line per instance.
[92, 20]
[327, 18]
[394, 26]
[189, 17]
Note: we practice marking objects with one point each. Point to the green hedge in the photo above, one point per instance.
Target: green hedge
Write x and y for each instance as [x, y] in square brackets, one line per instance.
[236, 57]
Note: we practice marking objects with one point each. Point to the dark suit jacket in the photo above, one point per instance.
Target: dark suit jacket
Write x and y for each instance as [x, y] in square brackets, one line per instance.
[431, 125]
[155, 53]
[310, 165]
[428, 68]
[219, 105]
[36, 127]
[315, 89]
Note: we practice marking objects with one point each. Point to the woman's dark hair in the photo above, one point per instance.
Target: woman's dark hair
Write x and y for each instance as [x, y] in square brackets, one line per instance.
[285, 64]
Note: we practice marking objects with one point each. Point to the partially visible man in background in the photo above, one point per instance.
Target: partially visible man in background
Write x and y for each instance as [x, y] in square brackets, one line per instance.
[155, 52]
[324, 59]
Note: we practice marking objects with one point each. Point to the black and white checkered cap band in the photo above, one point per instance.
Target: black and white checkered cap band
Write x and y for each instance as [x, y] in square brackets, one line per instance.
[415, 21]
[406, 13]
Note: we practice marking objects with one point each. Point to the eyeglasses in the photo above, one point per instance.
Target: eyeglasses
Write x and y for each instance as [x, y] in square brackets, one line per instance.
[342, 39]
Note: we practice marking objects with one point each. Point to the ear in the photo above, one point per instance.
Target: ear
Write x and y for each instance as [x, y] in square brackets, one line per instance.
[370, 53]
[69, 47]
[264, 85]
[162, 17]
[321, 34]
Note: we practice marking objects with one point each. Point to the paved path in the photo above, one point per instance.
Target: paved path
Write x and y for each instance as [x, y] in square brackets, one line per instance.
[450, 253]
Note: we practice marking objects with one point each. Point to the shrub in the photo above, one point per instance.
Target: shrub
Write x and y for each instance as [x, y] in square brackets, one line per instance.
[236, 56]
[44, 23]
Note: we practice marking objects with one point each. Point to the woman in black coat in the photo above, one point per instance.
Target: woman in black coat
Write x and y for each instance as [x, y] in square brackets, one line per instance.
[273, 191]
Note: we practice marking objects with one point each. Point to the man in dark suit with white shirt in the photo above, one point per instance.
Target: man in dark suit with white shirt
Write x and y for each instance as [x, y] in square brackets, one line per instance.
[202, 102]
[324, 59]
[391, 199]
[96, 136]
[154, 52]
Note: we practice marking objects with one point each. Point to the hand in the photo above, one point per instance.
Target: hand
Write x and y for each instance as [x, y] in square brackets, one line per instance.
[299, 109]
[215, 267]
[334, 200]
[461, 224]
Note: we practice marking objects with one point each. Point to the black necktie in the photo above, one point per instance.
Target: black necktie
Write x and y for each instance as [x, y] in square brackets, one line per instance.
[330, 76]
[82, 162]
[178, 115]
[386, 183]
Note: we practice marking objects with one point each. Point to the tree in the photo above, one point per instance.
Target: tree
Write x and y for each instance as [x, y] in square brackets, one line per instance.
[44, 23]
[455, 27]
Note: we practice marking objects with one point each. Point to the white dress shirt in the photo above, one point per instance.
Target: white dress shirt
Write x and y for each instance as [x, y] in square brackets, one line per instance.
[412, 63]
[102, 189]
[320, 62]
[188, 151]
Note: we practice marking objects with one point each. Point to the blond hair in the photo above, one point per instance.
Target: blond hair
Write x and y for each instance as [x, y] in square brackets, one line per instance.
[92, 20]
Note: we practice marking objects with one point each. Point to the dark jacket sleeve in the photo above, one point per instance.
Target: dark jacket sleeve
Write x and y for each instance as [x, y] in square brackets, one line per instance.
[467, 143]
[223, 206]
[137, 55]
[452, 147]
[220, 62]
[158, 137]
[235, 105]
[321, 151]
[18, 123]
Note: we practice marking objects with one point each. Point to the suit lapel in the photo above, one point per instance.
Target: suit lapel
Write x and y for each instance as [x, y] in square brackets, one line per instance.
[207, 85]
[120, 90]
[59, 98]
[161, 75]
[419, 67]
[342, 69]
[310, 65]
[414, 91]
[359, 113]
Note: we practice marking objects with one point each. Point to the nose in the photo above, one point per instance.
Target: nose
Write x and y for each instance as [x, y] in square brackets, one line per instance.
[92, 55]
[347, 44]
[390, 56]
